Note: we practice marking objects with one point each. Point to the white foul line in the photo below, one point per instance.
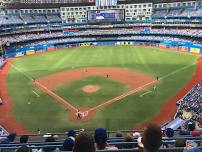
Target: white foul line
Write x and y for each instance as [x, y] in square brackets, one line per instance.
[137, 89]
[169, 74]
[114, 99]
[52, 94]
[178, 70]
[22, 72]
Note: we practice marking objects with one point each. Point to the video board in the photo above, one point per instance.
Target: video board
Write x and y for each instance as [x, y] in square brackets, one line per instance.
[115, 15]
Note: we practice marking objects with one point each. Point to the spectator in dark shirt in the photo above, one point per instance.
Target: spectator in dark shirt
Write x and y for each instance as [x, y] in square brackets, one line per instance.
[84, 143]
[152, 138]
[24, 148]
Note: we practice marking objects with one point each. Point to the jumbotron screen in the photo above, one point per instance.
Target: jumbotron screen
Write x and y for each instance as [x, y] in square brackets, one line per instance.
[115, 15]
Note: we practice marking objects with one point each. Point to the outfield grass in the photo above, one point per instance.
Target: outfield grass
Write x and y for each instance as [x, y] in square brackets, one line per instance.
[47, 114]
[73, 93]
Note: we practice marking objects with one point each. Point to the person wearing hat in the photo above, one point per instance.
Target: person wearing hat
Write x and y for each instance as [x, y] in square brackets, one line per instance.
[71, 134]
[191, 126]
[69, 141]
[68, 144]
[100, 137]
[169, 134]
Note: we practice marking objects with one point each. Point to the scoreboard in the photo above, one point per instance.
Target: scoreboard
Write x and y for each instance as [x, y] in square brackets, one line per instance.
[99, 16]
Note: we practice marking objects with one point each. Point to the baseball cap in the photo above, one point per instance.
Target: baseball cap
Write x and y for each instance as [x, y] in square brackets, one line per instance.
[100, 135]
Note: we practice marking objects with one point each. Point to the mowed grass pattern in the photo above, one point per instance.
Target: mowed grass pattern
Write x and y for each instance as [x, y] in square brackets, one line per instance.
[45, 113]
[74, 94]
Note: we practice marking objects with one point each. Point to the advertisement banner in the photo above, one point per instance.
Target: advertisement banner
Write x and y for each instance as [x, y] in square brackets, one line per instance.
[86, 44]
[195, 50]
[39, 51]
[30, 52]
[51, 48]
[183, 49]
[162, 45]
[125, 43]
[19, 54]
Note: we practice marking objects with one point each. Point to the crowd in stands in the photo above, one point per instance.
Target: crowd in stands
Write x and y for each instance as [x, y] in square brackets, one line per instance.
[29, 36]
[2, 61]
[192, 32]
[190, 106]
[149, 36]
[10, 20]
[63, 40]
[178, 12]
[87, 39]
[151, 139]
[154, 38]
[25, 19]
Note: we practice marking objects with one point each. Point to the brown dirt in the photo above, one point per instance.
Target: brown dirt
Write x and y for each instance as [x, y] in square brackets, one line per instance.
[6, 116]
[136, 81]
[90, 88]
[166, 114]
[169, 109]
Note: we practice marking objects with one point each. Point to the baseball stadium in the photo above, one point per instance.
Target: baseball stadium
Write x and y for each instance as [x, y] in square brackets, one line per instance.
[100, 75]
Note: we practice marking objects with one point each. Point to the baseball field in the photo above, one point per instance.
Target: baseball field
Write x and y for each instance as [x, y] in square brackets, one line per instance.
[117, 87]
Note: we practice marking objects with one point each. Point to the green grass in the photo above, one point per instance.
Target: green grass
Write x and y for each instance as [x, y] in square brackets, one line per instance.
[48, 115]
[74, 94]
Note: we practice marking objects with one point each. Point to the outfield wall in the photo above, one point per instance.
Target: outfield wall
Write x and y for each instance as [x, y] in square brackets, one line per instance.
[31, 50]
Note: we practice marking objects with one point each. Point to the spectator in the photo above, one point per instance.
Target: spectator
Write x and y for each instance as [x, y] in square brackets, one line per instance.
[49, 149]
[169, 132]
[191, 126]
[191, 146]
[71, 134]
[119, 134]
[128, 138]
[180, 143]
[24, 139]
[68, 144]
[10, 138]
[84, 143]
[152, 138]
[24, 148]
[101, 140]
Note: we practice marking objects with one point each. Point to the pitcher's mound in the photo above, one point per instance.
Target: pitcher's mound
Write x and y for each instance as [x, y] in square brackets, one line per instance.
[90, 88]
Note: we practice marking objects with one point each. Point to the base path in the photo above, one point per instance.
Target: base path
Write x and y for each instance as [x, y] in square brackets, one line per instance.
[7, 119]
[135, 80]
[169, 109]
